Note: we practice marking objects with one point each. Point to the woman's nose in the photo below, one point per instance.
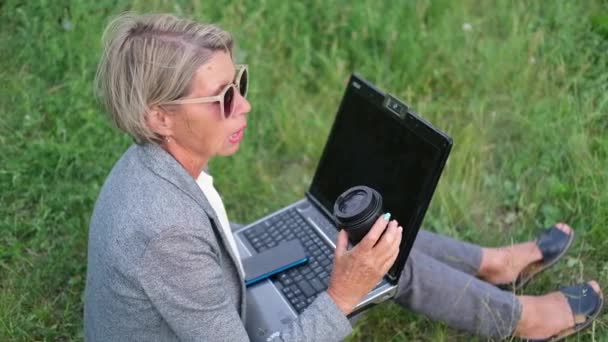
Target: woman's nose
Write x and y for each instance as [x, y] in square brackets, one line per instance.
[242, 105]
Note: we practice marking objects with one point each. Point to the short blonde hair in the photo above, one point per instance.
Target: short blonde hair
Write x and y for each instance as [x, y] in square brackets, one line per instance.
[148, 60]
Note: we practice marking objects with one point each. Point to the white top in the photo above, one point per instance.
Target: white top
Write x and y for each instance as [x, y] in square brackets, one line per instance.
[205, 182]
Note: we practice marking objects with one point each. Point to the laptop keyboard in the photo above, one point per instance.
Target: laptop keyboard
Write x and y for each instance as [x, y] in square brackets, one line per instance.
[301, 284]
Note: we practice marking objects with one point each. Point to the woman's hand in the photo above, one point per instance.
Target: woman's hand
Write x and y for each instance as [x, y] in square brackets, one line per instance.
[358, 271]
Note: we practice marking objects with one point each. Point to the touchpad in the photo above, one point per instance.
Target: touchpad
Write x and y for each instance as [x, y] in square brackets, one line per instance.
[267, 311]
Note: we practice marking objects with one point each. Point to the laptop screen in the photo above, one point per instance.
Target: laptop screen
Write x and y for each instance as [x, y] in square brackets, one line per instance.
[369, 145]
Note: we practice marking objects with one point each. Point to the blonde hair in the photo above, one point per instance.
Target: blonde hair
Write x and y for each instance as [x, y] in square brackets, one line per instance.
[148, 60]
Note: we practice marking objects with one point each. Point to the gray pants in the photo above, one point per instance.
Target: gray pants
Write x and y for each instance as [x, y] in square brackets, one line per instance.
[439, 280]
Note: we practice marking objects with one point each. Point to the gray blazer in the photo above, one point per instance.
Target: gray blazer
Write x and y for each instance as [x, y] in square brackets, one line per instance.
[158, 266]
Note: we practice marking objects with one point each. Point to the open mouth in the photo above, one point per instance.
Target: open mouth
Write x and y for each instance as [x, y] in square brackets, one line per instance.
[237, 136]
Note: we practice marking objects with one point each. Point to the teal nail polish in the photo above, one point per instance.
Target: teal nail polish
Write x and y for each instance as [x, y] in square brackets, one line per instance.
[387, 216]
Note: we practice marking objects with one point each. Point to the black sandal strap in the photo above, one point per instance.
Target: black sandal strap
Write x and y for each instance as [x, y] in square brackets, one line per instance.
[582, 298]
[551, 243]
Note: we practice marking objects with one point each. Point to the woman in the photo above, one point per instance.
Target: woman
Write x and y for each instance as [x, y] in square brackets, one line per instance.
[162, 263]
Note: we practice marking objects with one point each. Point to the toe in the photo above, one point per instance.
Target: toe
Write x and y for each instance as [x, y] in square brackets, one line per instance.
[596, 287]
[564, 228]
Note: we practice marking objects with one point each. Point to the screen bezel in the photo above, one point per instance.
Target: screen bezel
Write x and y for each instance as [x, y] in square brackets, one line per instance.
[409, 120]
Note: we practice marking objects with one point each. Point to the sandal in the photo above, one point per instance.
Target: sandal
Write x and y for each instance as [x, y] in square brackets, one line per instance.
[586, 306]
[553, 244]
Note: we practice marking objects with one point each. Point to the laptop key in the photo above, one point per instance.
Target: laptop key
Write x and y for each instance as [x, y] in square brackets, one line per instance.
[257, 230]
[306, 288]
[325, 262]
[317, 285]
[310, 276]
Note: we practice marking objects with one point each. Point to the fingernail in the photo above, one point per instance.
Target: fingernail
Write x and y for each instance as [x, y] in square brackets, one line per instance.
[387, 216]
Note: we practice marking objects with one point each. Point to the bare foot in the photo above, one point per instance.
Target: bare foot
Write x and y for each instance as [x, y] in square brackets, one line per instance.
[502, 265]
[546, 316]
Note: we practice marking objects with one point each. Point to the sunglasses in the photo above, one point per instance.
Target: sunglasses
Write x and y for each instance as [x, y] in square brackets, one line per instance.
[227, 95]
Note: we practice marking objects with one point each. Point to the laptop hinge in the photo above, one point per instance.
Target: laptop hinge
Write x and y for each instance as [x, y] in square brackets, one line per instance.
[329, 216]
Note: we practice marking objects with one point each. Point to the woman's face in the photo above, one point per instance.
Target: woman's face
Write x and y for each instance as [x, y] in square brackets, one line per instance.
[199, 129]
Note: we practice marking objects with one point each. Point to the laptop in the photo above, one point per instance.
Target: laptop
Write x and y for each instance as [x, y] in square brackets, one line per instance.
[378, 141]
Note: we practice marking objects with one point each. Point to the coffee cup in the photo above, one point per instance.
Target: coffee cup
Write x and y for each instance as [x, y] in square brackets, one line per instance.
[356, 210]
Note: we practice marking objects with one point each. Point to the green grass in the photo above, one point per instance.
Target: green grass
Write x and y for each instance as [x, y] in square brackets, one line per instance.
[523, 93]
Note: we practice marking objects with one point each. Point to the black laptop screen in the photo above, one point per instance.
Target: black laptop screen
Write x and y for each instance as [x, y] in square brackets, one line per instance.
[368, 145]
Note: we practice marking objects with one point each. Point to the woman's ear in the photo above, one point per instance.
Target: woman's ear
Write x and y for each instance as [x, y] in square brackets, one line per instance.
[159, 121]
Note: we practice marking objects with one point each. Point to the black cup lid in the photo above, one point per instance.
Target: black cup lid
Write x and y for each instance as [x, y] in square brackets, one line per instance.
[355, 204]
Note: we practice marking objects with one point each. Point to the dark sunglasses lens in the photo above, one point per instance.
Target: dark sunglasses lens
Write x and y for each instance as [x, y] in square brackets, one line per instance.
[243, 83]
[228, 101]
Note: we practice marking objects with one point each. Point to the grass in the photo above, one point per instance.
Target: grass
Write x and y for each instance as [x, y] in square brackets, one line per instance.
[520, 86]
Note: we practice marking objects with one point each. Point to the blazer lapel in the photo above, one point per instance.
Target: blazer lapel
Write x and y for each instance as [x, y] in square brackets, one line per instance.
[165, 166]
